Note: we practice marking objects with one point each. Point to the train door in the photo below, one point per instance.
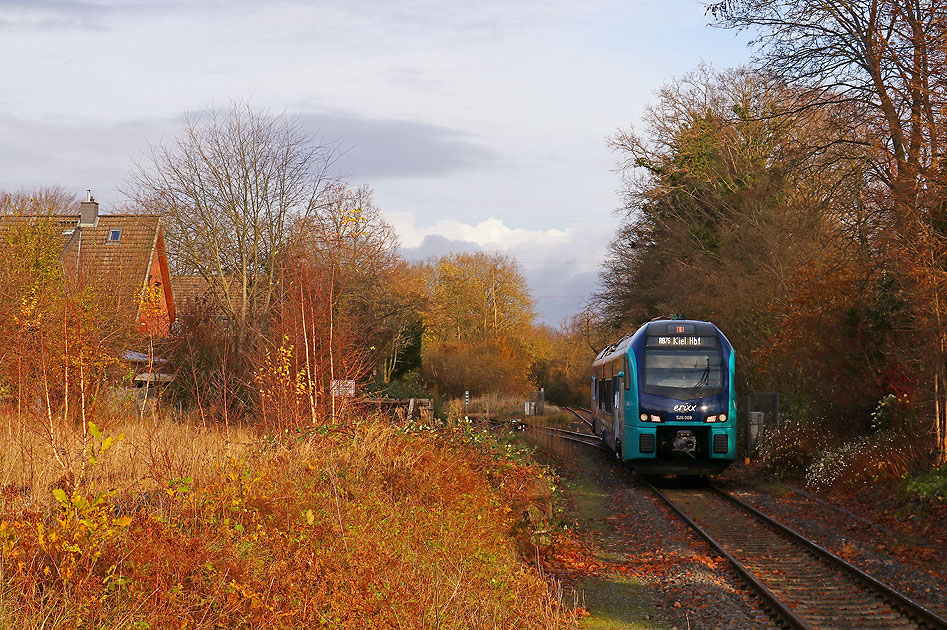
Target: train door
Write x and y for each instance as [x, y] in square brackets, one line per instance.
[616, 409]
[601, 399]
[594, 401]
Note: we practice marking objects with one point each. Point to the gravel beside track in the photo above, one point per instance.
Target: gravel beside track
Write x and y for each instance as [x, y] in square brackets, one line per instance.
[889, 553]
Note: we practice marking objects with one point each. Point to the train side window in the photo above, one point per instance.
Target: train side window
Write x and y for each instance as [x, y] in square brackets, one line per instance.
[627, 375]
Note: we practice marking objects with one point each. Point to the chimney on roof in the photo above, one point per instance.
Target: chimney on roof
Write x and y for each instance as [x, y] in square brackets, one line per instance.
[89, 211]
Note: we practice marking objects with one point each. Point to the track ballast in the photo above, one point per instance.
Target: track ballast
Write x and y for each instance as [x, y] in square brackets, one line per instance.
[805, 585]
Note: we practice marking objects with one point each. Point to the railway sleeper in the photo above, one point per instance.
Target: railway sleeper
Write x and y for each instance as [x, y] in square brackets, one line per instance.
[819, 593]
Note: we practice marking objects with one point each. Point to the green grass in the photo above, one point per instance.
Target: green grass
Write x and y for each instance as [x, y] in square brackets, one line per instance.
[589, 502]
[615, 601]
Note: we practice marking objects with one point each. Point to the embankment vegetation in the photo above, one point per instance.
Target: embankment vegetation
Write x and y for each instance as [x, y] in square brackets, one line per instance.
[254, 489]
[162, 523]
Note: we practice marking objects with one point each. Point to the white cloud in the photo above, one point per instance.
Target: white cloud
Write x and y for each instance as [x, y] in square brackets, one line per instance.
[489, 234]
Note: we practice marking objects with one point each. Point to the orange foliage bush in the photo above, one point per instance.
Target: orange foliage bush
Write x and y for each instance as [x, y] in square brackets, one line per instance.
[835, 341]
[371, 526]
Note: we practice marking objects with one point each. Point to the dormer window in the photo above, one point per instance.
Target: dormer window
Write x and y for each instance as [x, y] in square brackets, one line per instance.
[114, 235]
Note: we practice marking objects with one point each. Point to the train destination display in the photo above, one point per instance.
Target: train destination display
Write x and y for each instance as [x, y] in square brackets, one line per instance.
[687, 341]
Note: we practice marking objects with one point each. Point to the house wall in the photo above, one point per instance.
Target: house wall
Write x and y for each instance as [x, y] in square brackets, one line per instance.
[157, 314]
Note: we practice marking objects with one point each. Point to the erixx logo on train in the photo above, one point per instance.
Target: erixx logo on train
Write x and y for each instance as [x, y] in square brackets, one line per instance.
[685, 408]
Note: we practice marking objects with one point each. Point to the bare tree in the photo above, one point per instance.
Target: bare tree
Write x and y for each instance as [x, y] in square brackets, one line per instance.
[344, 300]
[885, 54]
[48, 200]
[229, 187]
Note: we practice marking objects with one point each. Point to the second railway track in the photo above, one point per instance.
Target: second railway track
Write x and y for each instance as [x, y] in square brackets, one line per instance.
[571, 436]
[582, 417]
[806, 585]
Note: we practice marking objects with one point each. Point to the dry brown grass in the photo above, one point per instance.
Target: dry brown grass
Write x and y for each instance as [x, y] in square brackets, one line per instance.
[354, 526]
[150, 453]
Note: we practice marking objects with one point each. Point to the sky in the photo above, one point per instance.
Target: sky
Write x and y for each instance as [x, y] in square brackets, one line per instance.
[481, 126]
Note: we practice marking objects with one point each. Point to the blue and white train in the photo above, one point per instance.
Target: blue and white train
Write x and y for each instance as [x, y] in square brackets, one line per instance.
[664, 398]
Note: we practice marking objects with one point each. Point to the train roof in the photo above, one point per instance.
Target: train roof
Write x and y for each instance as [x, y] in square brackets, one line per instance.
[668, 327]
[655, 328]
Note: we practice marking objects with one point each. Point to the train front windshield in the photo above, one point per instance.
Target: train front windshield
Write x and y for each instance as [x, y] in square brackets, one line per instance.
[683, 373]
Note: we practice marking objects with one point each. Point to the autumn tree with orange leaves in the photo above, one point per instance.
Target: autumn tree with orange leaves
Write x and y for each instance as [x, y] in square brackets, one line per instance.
[477, 318]
[888, 60]
[744, 212]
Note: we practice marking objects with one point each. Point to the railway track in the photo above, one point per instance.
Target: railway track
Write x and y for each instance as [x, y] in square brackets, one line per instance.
[583, 418]
[804, 584]
[570, 436]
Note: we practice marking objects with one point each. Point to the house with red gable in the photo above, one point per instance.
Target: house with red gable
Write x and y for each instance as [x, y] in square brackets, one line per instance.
[121, 255]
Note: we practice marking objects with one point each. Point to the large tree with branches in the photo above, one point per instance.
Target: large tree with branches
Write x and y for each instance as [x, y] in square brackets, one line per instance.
[888, 57]
[230, 187]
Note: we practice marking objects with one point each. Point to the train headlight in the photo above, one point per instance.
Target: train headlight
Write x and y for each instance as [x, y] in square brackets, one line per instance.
[655, 418]
[717, 418]
[644, 417]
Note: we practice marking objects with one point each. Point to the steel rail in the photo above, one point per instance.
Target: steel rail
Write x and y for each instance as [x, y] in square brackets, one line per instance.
[588, 441]
[580, 416]
[765, 594]
[562, 431]
[541, 427]
[886, 592]
[570, 436]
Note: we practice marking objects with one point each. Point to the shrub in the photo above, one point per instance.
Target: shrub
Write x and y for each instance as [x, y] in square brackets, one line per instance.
[863, 460]
[408, 385]
[880, 419]
[789, 448]
[366, 525]
[930, 485]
